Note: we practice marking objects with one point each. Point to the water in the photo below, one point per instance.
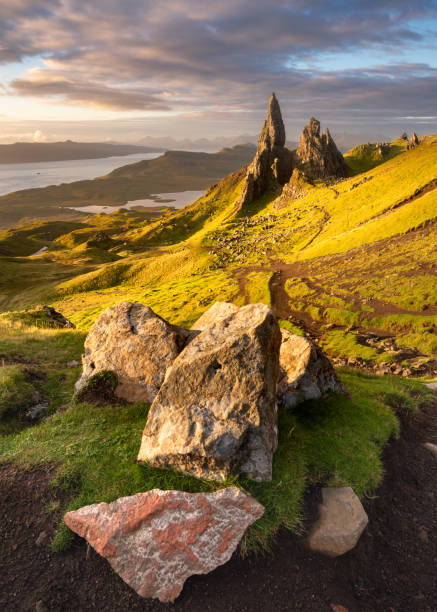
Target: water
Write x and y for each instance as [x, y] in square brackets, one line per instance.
[176, 199]
[14, 177]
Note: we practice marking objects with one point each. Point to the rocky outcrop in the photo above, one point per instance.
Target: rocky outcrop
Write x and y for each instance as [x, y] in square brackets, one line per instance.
[272, 163]
[136, 344]
[297, 187]
[215, 414]
[273, 166]
[305, 372]
[414, 141]
[56, 318]
[317, 155]
[156, 540]
[342, 520]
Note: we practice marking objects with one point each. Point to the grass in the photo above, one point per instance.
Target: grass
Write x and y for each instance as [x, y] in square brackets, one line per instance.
[333, 441]
[257, 287]
[336, 441]
[345, 344]
[360, 242]
[15, 392]
[290, 327]
[364, 157]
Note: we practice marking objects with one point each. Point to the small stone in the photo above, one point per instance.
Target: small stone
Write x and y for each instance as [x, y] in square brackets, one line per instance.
[40, 606]
[40, 539]
[36, 411]
[156, 540]
[431, 447]
[342, 520]
[423, 535]
[73, 363]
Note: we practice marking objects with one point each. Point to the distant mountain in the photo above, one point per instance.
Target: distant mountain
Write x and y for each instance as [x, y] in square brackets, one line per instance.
[32, 152]
[199, 144]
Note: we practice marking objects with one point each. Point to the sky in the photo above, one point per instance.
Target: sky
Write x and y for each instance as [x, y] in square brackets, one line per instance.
[127, 70]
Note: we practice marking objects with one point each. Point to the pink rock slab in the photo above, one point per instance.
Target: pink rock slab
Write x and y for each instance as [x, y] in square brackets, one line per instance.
[156, 540]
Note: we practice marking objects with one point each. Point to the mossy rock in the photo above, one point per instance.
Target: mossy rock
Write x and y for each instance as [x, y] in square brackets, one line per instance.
[99, 389]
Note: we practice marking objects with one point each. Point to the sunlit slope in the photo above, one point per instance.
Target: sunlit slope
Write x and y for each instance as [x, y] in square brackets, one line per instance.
[359, 252]
[371, 206]
[366, 156]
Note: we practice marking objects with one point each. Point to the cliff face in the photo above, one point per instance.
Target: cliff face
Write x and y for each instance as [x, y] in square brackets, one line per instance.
[317, 155]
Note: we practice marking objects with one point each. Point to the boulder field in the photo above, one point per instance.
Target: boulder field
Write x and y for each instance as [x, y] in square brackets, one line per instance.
[214, 390]
[214, 393]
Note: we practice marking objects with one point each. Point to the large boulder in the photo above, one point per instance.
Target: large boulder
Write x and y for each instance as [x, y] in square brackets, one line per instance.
[156, 540]
[305, 372]
[136, 344]
[342, 520]
[216, 414]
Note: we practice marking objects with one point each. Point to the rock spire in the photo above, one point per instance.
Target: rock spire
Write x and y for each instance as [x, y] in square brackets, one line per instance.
[317, 155]
[272, 162]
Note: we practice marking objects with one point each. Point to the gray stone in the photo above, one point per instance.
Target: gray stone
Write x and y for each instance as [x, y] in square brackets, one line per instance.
[342, 520]
[431, 447]
[216, 414]
[431, 385]
[136, 344]
[36, 411]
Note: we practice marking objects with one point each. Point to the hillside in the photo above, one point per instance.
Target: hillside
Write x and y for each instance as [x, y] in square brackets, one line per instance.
[32, 152]
[343, 261]
[174, 171]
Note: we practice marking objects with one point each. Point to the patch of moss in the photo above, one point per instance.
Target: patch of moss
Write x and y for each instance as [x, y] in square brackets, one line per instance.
[99, 388]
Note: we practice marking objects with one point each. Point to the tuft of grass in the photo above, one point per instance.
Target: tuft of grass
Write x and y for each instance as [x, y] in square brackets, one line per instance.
[345, 344]
[291, 327]
[15, 392]
[257, 287]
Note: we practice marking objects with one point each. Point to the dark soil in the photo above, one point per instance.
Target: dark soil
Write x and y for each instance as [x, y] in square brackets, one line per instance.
[393, 567]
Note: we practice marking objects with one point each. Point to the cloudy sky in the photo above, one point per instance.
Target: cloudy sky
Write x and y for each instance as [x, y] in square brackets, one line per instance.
[128, 69]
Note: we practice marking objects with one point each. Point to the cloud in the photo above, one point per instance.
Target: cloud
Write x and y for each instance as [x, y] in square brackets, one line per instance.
[193, 56]
[53, 84]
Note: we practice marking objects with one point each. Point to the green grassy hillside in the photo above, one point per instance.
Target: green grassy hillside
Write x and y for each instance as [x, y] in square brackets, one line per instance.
[352, 264]
[360, 253]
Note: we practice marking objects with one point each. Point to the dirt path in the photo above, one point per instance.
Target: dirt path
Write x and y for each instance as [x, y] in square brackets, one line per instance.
[393, 566]
[282, 304]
